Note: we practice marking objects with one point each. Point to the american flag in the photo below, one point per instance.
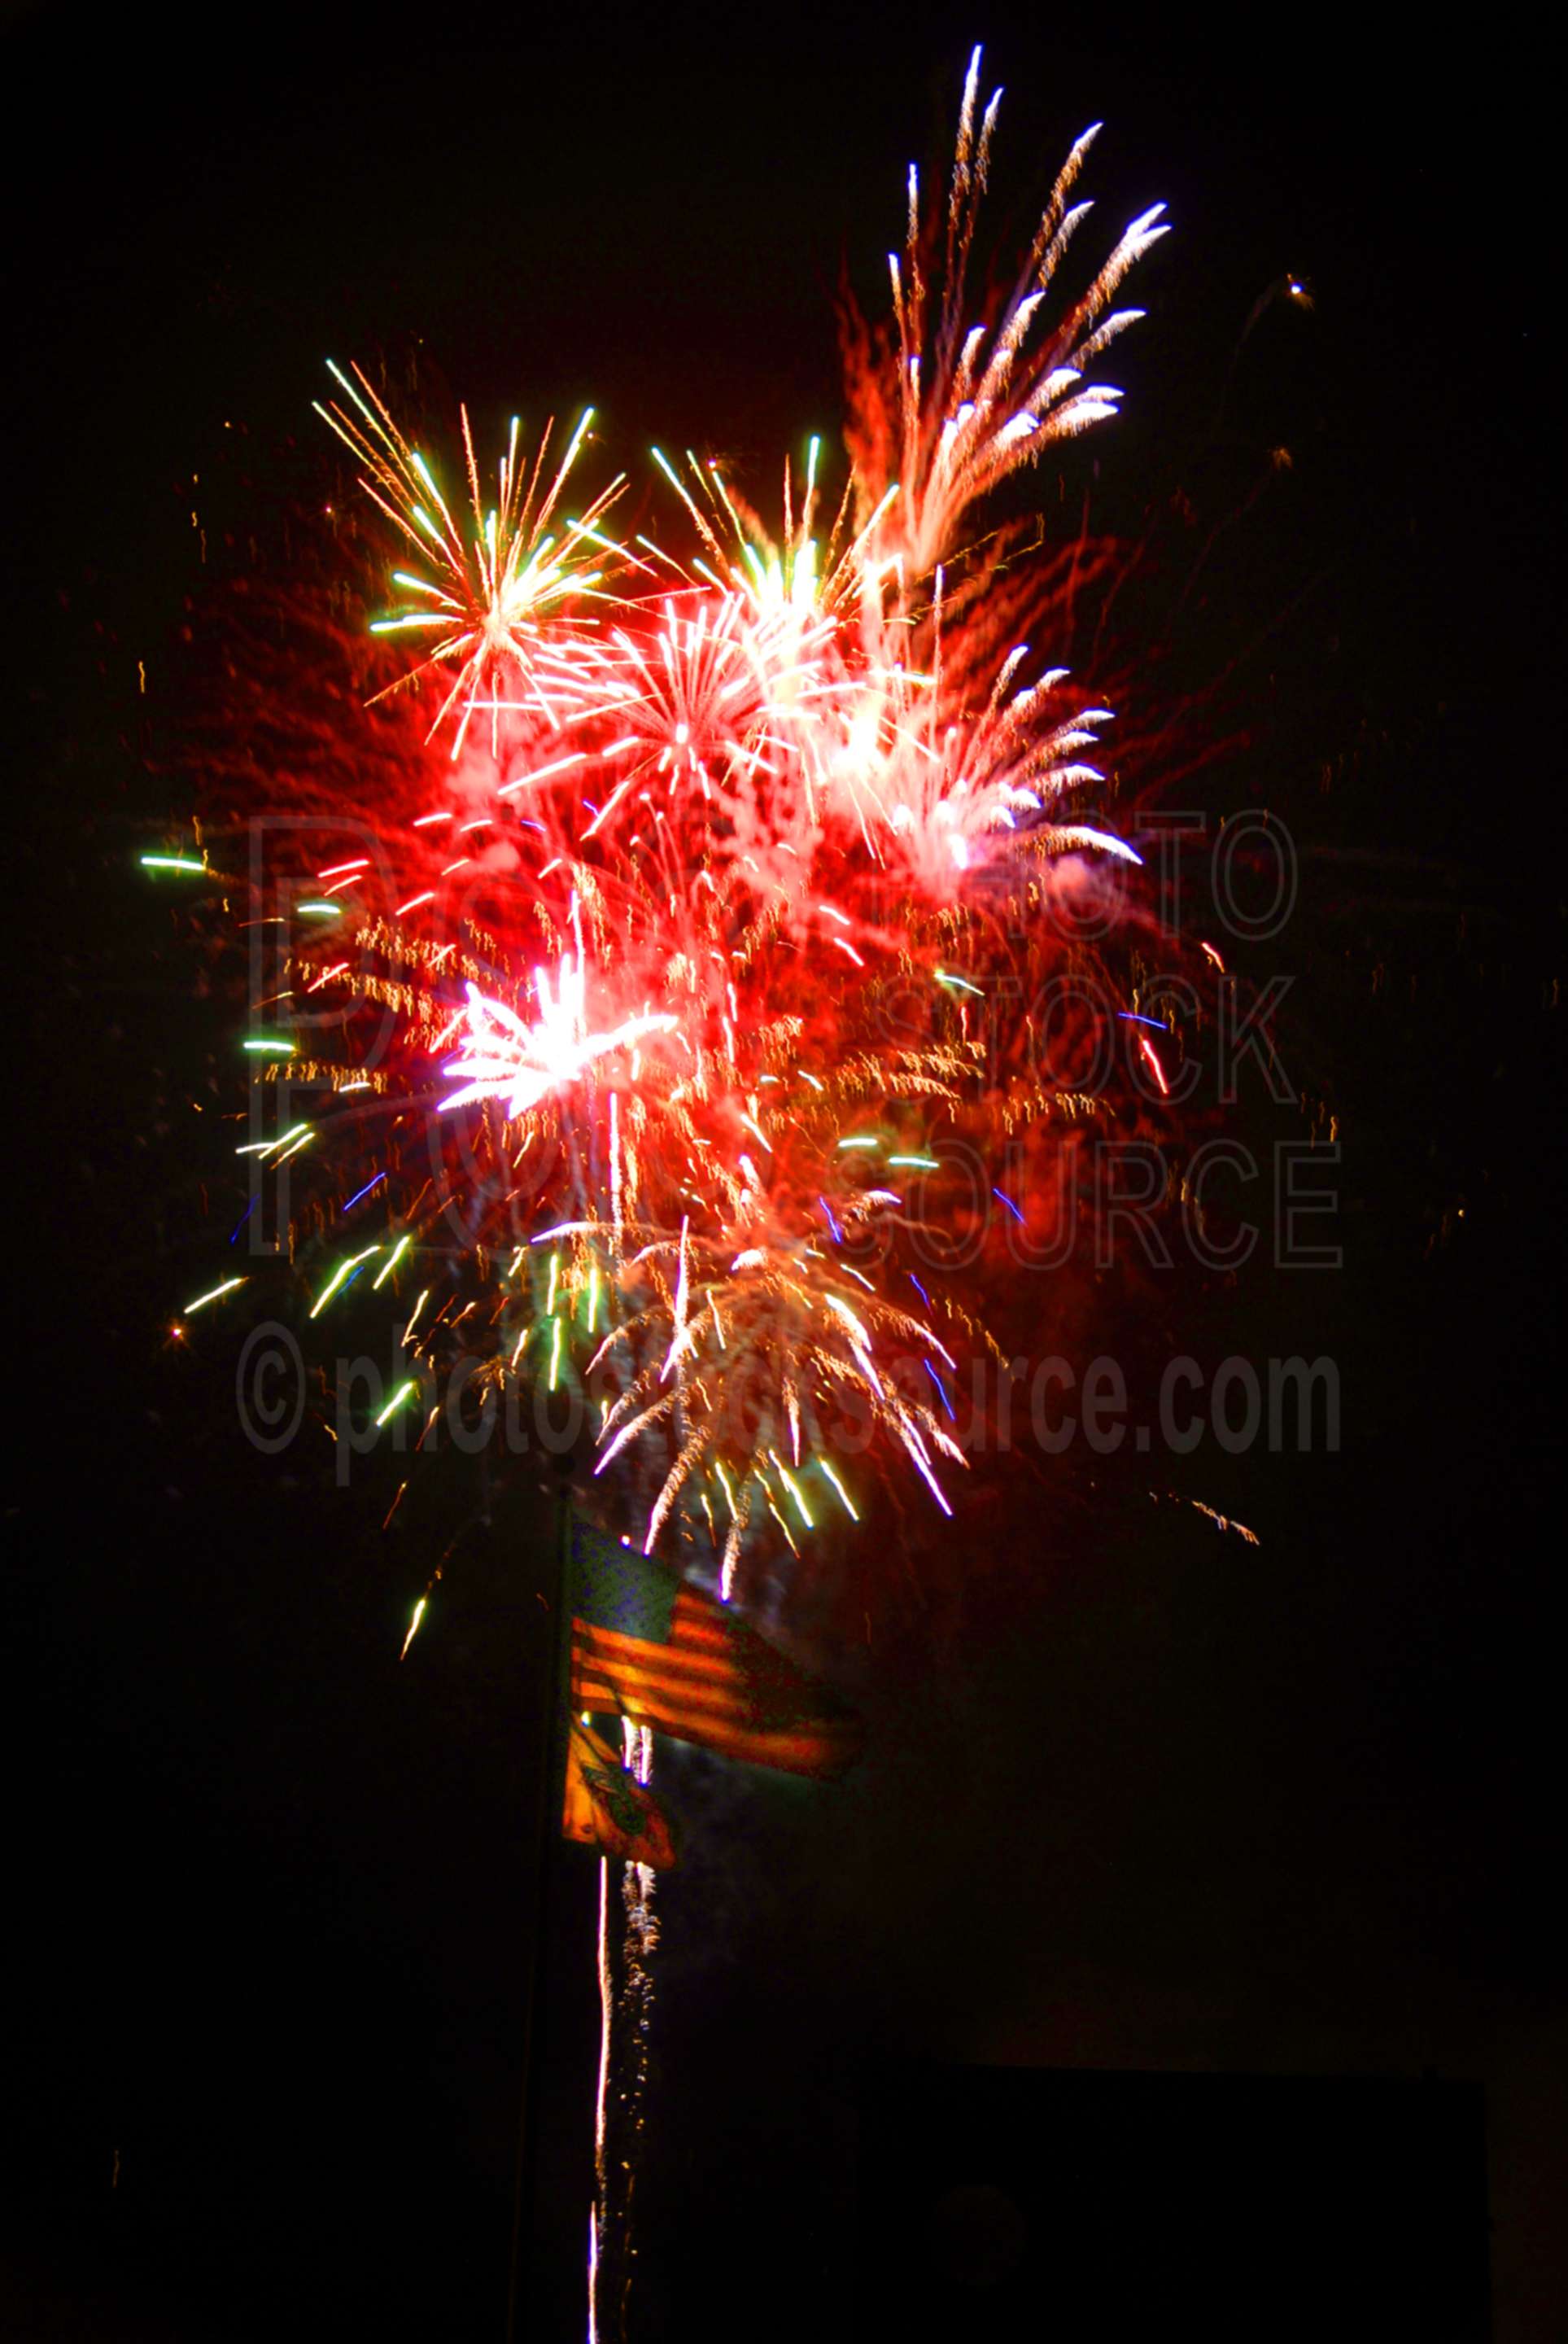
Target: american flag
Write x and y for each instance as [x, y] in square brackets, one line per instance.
[648, 1647]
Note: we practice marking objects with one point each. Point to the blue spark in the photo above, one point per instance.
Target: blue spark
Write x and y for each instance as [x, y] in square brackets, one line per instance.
[353, 1201]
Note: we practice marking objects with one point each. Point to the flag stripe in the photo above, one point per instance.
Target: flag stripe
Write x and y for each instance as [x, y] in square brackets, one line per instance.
[702, 1687]
[805, 1747]
[631, 1651]
[724, 1648]
[786, 1752]
[817, 1749]
[635, 1689]
[640, 1685]
[764, 1673]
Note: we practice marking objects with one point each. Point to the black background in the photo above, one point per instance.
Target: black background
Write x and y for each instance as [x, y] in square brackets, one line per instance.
[1146, 1797]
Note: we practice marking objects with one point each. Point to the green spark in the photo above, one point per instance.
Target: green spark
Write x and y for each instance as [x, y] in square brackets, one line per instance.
[385, 1272]
[203, 1300]
[339, 1275]
[794, 1489]
[837, 1485]
[396, 1400]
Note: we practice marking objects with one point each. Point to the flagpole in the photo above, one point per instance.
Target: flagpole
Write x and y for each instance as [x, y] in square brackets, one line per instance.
[553, 1596]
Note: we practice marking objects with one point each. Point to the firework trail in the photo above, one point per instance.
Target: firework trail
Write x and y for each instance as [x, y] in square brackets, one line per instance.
[626, 2007]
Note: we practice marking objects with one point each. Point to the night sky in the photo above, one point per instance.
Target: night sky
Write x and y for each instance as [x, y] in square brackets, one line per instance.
[1139, 1795]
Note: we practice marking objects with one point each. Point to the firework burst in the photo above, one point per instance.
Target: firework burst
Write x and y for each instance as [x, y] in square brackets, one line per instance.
[676, 975]
[501, 609]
